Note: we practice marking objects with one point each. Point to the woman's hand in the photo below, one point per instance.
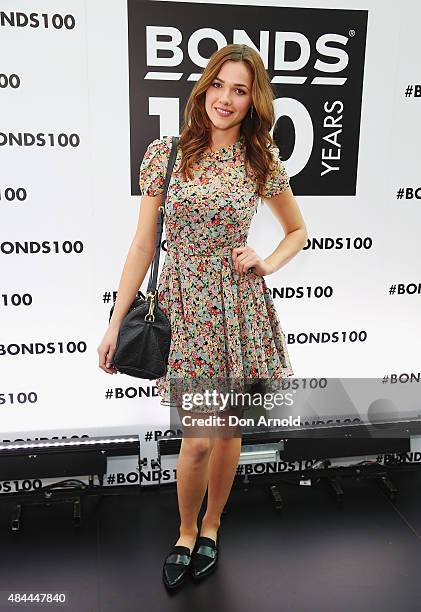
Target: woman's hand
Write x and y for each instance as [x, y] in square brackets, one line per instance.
[245, 257]
[106, 350]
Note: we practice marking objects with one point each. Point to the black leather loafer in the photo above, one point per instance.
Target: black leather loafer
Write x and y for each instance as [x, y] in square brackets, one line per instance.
[204, 557]
[176, 566]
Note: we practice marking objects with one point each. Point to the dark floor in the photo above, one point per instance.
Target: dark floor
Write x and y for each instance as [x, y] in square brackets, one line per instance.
[313, 555]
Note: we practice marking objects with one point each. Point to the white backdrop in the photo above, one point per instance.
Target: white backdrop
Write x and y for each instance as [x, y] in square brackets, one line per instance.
[68, 215]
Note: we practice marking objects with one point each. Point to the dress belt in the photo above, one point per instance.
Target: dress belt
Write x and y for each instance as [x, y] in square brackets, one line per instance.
[217, 252]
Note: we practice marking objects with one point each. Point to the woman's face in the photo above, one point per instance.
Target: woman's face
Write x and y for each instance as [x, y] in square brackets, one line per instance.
[230, 90]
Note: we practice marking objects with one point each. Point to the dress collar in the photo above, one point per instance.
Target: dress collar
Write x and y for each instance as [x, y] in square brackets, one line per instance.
[227, 152]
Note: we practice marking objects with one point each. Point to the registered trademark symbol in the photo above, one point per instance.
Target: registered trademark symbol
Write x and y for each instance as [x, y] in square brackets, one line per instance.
[352, 32]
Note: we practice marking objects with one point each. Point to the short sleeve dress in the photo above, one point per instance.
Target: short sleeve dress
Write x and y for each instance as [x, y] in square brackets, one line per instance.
[224, 325]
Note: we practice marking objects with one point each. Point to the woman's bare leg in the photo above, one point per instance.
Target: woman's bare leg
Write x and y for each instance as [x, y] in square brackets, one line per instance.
[223, 462]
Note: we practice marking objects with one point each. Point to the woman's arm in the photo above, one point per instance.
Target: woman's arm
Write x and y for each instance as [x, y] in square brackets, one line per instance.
[285, 208]
[139, 258]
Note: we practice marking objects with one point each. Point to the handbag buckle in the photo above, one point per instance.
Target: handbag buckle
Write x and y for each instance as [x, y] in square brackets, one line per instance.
[150, 316]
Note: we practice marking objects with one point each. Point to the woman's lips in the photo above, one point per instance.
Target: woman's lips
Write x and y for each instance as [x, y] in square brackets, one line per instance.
[222, 113]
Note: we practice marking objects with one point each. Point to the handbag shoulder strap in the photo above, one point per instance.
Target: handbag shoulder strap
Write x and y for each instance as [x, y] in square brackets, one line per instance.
[160, 221]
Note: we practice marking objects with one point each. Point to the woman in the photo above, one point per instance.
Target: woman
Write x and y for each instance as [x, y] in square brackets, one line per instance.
[223, 321]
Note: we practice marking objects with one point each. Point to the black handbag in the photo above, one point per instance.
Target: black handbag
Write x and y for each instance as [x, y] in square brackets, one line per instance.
[144, 337]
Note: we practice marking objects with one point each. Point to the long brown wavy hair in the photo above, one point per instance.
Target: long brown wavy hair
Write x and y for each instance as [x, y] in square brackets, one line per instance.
[195, 136]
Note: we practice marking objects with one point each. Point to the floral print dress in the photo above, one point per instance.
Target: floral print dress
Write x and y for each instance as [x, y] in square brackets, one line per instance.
[224, 325]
